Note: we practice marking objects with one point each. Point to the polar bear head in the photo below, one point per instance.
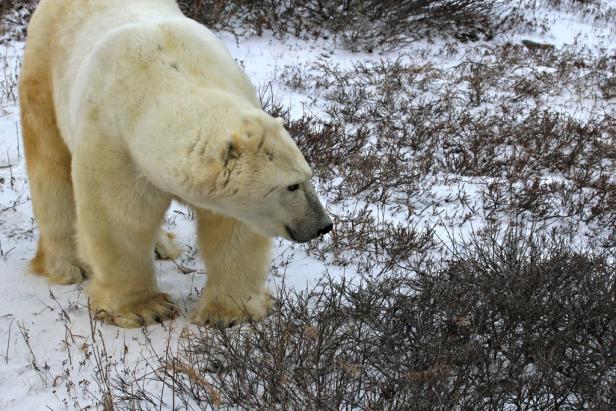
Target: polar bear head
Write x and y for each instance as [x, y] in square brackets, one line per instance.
[234, 159]
[263, 180]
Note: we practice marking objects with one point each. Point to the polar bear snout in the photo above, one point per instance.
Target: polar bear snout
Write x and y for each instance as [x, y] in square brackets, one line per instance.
[313, 224]
[302, 235]
[326, 229]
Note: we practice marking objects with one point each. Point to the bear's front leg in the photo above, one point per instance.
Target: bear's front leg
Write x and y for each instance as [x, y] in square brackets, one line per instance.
[237, 261]
[119, 214]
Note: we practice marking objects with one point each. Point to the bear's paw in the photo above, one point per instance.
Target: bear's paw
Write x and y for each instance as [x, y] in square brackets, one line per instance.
[155, 309]
[63, 271]
[226, 311]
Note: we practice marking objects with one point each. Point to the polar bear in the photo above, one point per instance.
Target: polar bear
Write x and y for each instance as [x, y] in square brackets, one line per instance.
[126, 105]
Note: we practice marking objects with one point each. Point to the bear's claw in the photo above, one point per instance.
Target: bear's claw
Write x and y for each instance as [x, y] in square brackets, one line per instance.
[227, 312]
[155, 310]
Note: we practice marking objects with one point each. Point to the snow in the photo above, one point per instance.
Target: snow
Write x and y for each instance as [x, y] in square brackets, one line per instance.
[56, 367]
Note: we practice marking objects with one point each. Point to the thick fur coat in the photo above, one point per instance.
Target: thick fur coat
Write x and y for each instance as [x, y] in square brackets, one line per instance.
[127, 105]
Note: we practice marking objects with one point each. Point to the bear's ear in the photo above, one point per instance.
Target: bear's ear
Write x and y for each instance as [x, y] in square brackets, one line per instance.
[255, 128]
[253, 125]
[257, 123]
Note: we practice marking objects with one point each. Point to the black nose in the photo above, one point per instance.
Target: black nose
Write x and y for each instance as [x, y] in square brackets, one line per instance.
[325, 229]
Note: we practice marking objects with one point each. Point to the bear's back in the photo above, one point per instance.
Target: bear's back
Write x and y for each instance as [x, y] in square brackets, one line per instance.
[127, 51]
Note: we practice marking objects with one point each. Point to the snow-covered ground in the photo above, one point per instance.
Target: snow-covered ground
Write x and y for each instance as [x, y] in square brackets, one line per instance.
[49, 344]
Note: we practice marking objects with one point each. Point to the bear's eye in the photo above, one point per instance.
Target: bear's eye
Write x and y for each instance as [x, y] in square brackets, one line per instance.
[293, 187]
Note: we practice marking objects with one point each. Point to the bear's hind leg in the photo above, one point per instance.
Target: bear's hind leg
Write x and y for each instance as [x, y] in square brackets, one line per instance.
[119, 216]
[167, 248]
[237, 261]
[49, 170]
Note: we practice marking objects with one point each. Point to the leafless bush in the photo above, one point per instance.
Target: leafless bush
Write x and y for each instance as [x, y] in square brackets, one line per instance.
[14, 17]
[393, 131]
[510, 321]
[362, 25]
[9, 78]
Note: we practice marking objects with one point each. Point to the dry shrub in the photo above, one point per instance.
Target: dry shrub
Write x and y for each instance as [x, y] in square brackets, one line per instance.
[361, 25]
[393, 132]
[14, 17]
[508, 322]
